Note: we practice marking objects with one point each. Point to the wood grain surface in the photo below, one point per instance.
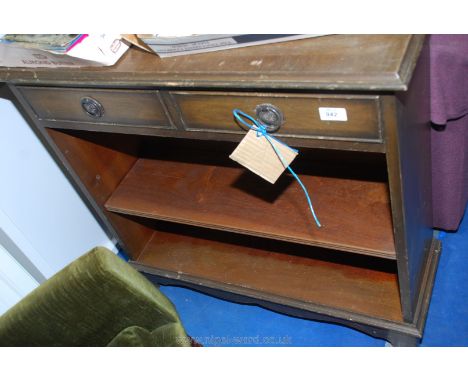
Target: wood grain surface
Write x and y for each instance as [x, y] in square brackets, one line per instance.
[100, 162]
[335, 62]
[355, 213]
[122, 107]
[212, 111]
[291, 271]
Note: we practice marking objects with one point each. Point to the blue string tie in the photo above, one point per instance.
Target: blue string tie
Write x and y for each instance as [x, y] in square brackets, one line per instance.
[262, 132]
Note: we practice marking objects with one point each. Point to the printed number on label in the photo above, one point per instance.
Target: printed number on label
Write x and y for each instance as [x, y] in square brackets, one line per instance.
[333, 114]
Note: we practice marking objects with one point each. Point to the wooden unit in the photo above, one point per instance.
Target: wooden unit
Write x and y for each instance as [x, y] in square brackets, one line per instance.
[146, 143]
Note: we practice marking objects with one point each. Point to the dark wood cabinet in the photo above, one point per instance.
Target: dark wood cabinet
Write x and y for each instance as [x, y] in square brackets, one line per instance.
[147, 142]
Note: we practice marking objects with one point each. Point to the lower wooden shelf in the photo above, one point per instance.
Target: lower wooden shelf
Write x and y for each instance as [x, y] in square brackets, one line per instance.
[359, 284]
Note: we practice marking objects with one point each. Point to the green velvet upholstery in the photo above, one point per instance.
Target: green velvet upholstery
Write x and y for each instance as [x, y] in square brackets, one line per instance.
[169, 335]
[97, 300]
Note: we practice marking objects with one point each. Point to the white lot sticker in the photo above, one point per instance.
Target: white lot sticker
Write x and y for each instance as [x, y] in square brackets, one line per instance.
[333, 114]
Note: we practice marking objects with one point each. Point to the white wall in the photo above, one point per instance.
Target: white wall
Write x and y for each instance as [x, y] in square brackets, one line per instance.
[41, 215]
[15, 281]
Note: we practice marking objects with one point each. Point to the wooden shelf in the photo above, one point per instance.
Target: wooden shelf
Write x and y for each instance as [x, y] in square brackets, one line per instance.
[355, 213]
[289, 271]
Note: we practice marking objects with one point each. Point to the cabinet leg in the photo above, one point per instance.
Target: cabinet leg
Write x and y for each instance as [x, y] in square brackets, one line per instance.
[399, 339]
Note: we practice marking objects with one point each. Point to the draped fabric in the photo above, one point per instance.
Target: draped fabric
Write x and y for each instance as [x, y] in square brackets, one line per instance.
[449, 111]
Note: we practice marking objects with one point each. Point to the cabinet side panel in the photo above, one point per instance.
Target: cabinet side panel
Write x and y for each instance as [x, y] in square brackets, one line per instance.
[101, 162]
[409, 169]
[94, 164]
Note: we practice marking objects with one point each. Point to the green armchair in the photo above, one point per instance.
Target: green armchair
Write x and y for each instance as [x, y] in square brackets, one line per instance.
[97, 300]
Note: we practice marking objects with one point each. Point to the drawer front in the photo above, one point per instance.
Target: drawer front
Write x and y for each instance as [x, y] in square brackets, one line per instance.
[110, 106]
[212, 111]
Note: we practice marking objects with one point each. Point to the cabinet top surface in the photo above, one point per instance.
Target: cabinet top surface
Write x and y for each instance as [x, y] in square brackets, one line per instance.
[334, 62]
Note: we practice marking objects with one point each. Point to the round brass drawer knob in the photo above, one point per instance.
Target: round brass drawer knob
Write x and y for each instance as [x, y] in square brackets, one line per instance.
[92, 107]
[270, 116]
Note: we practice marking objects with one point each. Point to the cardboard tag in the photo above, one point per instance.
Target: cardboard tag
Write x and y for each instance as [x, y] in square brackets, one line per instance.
[257, 154]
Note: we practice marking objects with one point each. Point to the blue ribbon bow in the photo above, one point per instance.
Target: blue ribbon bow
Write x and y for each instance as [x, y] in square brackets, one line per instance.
[262, 132]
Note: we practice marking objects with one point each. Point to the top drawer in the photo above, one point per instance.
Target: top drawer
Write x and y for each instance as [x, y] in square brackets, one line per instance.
[212, 112]
[106, 106]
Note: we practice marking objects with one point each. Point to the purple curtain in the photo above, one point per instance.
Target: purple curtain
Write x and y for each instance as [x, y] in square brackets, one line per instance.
[449, 114]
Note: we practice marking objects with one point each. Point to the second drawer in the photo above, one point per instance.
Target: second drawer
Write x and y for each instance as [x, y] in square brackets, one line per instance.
[358, 116]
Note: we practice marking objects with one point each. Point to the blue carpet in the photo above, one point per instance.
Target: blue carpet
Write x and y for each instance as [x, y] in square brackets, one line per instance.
[215, 322]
